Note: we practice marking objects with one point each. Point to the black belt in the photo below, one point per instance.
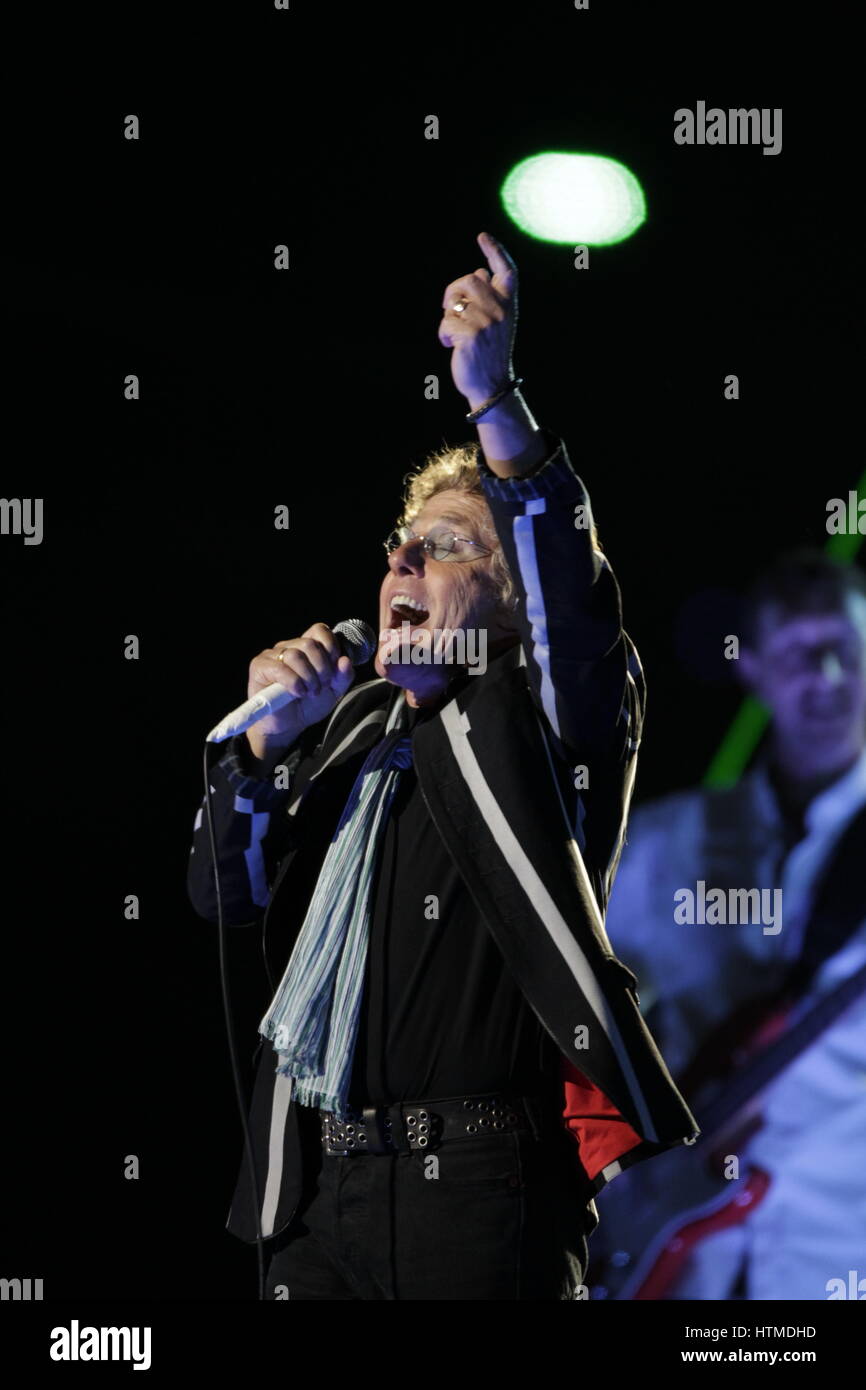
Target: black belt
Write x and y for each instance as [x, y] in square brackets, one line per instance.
[426, 1124]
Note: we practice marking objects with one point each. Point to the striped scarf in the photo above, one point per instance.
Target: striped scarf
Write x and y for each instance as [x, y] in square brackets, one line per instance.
[313, 1017]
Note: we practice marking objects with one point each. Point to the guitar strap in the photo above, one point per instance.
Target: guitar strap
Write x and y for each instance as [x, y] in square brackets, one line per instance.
[731, 849]
[838, 905]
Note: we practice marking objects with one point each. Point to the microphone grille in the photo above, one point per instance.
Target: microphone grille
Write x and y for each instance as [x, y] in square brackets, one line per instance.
[358, 640]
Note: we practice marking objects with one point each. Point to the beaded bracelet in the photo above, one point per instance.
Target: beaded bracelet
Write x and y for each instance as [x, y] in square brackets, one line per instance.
[512, 385]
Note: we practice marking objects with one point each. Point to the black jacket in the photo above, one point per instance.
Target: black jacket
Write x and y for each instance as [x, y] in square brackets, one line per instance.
[497, 767]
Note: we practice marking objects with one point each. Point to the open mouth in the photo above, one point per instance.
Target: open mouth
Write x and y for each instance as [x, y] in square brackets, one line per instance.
[405, 612]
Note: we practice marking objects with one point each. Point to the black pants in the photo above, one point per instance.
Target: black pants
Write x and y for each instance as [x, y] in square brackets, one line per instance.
[500, 1216]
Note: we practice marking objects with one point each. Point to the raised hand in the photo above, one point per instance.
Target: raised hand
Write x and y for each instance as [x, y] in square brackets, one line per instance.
[482, 334]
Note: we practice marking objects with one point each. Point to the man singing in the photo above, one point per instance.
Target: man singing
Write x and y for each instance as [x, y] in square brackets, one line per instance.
[453, 1061]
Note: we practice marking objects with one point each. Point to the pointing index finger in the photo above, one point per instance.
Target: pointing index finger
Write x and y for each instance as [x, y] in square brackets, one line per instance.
[498, 258]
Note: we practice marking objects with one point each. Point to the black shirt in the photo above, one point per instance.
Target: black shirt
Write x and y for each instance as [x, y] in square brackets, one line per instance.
[441, 1014]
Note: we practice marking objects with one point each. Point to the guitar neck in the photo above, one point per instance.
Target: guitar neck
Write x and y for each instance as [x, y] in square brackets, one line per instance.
[776, 1056]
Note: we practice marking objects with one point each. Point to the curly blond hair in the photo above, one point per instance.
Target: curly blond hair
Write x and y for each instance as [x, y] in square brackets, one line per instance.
[457, 468]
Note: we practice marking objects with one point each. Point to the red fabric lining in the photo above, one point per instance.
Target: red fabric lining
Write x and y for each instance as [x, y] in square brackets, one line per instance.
[599, 1128]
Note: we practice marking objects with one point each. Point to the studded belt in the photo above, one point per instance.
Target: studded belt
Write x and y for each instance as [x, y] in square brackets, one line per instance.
[425, 1124]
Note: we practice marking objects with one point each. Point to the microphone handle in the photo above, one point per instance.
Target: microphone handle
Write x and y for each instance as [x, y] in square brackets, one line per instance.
[357, 641]
[264, 702]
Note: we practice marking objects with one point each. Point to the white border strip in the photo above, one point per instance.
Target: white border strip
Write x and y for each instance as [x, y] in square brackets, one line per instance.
[456, 724]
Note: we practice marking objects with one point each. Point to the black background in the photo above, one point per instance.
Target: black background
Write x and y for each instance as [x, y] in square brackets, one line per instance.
[305, 388]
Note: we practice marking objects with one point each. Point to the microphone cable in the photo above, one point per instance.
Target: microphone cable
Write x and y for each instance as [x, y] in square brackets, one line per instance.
[230, 1030]
[359, 642]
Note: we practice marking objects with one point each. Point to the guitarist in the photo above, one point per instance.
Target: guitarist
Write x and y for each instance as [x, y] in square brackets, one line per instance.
[711, 989]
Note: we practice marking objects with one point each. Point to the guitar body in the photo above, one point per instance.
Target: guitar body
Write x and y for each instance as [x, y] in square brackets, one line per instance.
[652, 1216]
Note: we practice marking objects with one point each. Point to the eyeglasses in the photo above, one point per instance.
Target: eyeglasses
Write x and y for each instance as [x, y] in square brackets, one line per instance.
[440, 543]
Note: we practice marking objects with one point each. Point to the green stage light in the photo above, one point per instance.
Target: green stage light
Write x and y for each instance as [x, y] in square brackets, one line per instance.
[578, 199]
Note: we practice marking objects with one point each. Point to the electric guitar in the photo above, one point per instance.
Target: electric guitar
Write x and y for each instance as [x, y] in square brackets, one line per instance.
[652, 1216]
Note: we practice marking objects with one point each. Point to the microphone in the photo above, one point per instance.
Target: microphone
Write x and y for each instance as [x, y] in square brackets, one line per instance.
[357, 641]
